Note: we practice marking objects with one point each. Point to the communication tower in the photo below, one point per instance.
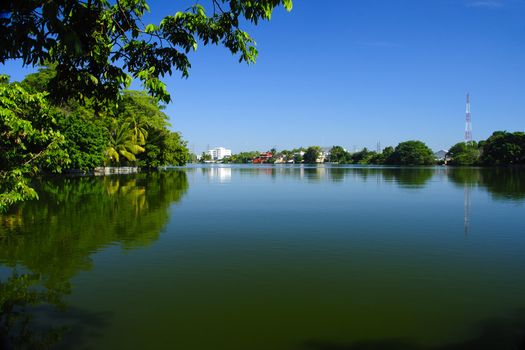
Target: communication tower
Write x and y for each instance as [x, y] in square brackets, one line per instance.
[468, 122]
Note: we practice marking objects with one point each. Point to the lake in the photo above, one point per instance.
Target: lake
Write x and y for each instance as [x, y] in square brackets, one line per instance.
[269, 257]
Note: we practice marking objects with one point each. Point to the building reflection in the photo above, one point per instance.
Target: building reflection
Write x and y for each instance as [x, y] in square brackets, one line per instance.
[220, 174]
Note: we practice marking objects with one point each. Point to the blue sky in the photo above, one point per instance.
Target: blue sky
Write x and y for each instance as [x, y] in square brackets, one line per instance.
[352, 73]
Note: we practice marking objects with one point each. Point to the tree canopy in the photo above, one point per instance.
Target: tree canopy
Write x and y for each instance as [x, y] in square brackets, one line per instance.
[504, 148]
[411, 153]
[312, 154]
[29, 141]
[338, 155]
[463, 154]
[99, 46]
[37, 135]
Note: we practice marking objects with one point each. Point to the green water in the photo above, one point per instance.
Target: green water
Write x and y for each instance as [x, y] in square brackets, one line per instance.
[295, 258]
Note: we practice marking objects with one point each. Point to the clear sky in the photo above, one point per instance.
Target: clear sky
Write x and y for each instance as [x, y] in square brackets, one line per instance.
[355, 72]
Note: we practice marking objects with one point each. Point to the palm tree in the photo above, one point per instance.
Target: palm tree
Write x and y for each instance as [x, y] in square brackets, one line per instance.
[122, 143]
[138, 127]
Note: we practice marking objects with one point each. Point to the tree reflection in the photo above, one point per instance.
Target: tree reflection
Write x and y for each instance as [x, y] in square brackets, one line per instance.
[504, 183]
[501, 183]
[17, 325]
[408, 177]
[54, 237]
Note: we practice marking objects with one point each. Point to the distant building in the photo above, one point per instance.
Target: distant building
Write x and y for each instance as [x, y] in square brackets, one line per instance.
[324, 154]
[219, 153]
[262, 158]
[440, 155]
[279, 159]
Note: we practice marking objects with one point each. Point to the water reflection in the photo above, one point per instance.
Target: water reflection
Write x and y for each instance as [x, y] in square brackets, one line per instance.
[502, 183]
[46, 243]
[220, 174]
[53, 239]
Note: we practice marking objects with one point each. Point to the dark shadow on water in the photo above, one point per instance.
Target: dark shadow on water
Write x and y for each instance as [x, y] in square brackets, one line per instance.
[494, 334]
[33, 317]
[81, 326]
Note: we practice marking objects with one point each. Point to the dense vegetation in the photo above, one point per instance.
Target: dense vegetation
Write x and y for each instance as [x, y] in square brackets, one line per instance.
[502, 148]
[39, 135]
[406, 153]
[79, 114]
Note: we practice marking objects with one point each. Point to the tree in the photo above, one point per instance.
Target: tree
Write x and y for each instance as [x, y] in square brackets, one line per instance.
[143, 112]
[298, 158]
[504, 148]
[205, 157]
[362, 157]
[149, 123]
[411, 153]
[29, 142]
[312, 154]
[193, 158]
[121, 143]
[338, 155]
[99, 46]
[242, 158]
[85, 140]
[174, 150]
[387, 152]
[463, 154]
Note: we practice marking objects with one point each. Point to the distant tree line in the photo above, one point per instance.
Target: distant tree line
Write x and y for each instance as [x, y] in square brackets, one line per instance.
[501, 148]
[406, 153]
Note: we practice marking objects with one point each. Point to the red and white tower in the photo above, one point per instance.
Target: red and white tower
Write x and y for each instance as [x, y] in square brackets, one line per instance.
[468, 122]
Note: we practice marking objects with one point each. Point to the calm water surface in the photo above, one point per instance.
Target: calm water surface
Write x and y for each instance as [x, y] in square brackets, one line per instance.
[278, 258]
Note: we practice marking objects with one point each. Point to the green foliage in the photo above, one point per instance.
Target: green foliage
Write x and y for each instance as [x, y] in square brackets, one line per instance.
[39, 81]
[29, 142]
[411, 153]
[241, 158]
[298, 158]
[464, 154]
[387, 152]
[339, 155]
[175, 150]
[85, 141]
[193, 158]
[312, 154]
[363, 157]
[504, 148]
[121, 143]
[205, 157]
[96, 44]
[164, 148]
[142, 111]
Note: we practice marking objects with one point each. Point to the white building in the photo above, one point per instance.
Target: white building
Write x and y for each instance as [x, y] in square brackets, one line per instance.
[219, 153]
